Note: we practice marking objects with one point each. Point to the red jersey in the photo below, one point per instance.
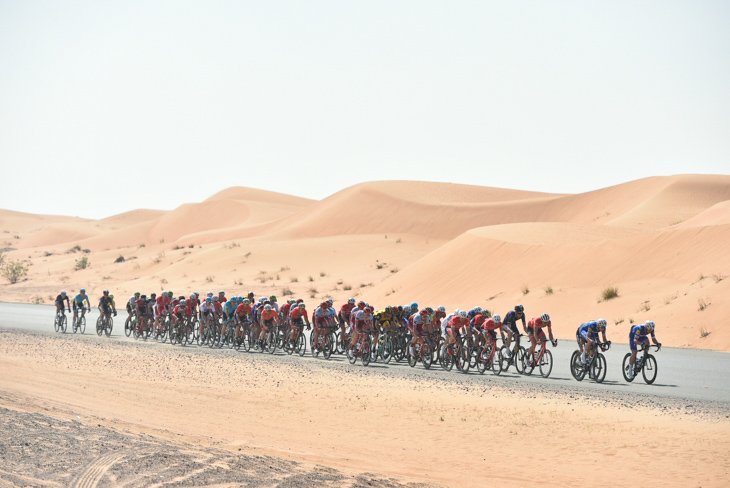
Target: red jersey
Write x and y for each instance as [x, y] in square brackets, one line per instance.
[179, 309]
[269, 315]
[298, 313]
[538, 324]
[346, 309]
[285, 308]
[243, 310]
[457, 322]
[218, 307]
[490, 325]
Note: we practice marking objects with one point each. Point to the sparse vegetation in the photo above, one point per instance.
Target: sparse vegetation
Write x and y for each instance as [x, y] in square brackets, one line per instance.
[548, 290]
[718, 277]
[162, 241]
[394, 270]
[646, 306]
[703, 304]
[37, 299]
[347, 287]
[178, 247]
[619, 320]
[163, 281]
[398, 241]
[209, 279]
[703, 332]
[191, 246]
[247, 255]
[142, 245]
[231, 245]
[13, 270]
[669, 299]
[312, 292]
[238, 282]
[525, 289]
[379, 265]
[322, 274]
[294, 279]
[339, 282]
[631, 320]
[284, 268]
[310, 278]
[120, 259]
[82, 263]
[286, 291]
[609, 293]
[159, 257]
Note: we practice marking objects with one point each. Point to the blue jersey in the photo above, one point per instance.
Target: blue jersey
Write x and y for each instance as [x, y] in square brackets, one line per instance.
[229, 307]
[510, 320]
[640, 331]
[589, 328]
[472, 313]
[80, 299]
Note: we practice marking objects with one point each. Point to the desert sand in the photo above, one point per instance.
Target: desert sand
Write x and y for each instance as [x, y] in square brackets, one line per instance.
[661, 241]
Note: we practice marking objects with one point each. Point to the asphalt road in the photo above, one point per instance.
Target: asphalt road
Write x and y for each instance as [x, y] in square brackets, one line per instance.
[683, 374]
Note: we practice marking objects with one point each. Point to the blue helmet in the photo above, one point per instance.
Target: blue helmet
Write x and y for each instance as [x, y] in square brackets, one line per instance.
[209, 299]
[414, 306]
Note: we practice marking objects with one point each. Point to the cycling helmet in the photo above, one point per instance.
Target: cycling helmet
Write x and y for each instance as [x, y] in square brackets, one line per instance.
[388, 309]
[215, 298]
[221, 292]
[301, 305]
[400, 309]
[106, 292]
[291, 301]
[462, 314]
[477, 310]
[267, 307]
[164, 293]
[144, 297]
[208, 300]
[519, 308]
[251, 294]
[351, 301]
[197, 295]
[361, 304]
[192, 296]
[181, 297]
[136, 293]
[63, 293]
[324, 305]
[111, 296]
[272, 298]
[497, 319]
[330, 301]
[442, 309]
[246, 301]
[424, 312]
[170, 294]
[545, 318]
[414, 306]
[650, 325]
[262, 299]
[300, 300]
[429, 310]
[153, 295]
[183, 301]
[83, 290]
[602, 323]
[209, 294]
[368, 310]
[266, 301]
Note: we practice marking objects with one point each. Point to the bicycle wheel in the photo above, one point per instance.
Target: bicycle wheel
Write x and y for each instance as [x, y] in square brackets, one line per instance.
[504, 361]
[387, 352]
[128, 326]
[625, 365]
[365, 352]
[57, 323]
[352, 354]
[327, 346]
[82, 324]
[64, 324]
[463, 358]
[649, 369]
[520, 359]
[447, 358]
[271, 339]
[246, 339]
[482, 360]
[576, 369]
[496, 360]
[528, 363]
[301, 346]
[109, 327]
[426, 355]
[99, 326]
[598, 368]
[546, 364]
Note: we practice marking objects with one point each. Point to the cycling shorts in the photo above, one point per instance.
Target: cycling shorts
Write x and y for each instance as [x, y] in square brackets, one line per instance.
[268, 323]
[299, 322]
[179, 315]
[642, 341]
[511, 328]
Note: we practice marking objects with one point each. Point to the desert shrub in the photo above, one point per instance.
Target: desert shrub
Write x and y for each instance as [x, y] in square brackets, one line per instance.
[286, 291]
[120, 259]
[525, 289]
[703, 304]
[13, 270]
[548, 290]
[82, 263]
[609, 292]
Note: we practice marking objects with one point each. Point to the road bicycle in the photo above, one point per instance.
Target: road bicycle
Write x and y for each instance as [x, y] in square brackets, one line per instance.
[80, 322]
[298, 344]
[60, 322]
[326, 340]
[104, 325]
[517, 357]
[489, 358]
[595, 368]
[423, 353]
[361, 349]
[646, 364]
[129, 324]
[541, 358]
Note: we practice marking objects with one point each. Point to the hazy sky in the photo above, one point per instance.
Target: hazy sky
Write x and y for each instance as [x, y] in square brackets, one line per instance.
[109, 106]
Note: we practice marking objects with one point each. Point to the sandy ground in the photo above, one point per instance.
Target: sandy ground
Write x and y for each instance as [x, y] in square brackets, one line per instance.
[133, 412]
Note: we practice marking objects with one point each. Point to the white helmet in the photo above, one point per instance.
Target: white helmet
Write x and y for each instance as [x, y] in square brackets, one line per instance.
[649, 325]
[267, 307]
[477, 310]
[192, 296]
[63, 293]
[497, 319]
[462, 314]
[602, 323]
[351, 301]
[545, 317]
[210, 294]
[442, 309]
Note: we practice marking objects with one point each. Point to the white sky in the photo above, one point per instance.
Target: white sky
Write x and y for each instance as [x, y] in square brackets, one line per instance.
[109, 106]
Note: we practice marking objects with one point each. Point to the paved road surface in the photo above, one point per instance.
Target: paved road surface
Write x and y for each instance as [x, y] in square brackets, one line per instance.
[689, 374]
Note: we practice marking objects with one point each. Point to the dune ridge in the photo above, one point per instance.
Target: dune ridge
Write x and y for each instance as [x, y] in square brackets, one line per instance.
[660, 240]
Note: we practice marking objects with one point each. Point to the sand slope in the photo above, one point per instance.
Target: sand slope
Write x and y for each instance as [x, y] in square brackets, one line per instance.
[662, 241]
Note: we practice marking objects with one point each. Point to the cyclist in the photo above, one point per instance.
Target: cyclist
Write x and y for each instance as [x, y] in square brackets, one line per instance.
[457, 322]
[509, 325]
[473, 313]
[535, 332]
[490, 326]
[244, 311]
[59, 302]
[274, 304]
[106, 304]
[361, 323]
[382, 319]
[132, 304]
[321, 318]
[206, 309]
[192, 304]
[222, 297]
[79, 301]
[356, 310]
[587, 337]
[343, 316]
[141, 310]
[179, 311]
[160, 308]
[298, 317]
[269, 318]
[229, 309]
[419, 322]
[638, 336]
[438, 315]
[285, 309]
[218, 307]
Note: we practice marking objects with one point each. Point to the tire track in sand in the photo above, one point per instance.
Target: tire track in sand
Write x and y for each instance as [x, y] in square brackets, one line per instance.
[93, 473]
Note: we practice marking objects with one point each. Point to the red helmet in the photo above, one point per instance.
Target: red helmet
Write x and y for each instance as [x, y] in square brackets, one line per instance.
[424, 312]
[368, 310]
[324, 305]
[300, 300]
[360, 304]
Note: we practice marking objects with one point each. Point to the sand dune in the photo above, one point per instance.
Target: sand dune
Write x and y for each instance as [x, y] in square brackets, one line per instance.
[662, 241]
